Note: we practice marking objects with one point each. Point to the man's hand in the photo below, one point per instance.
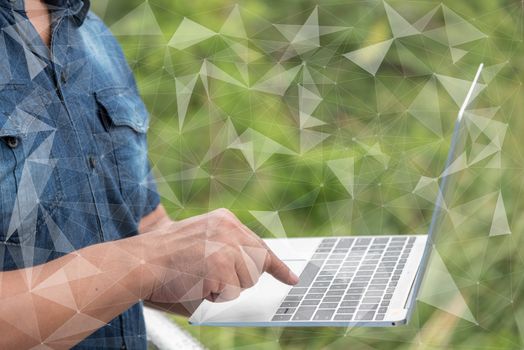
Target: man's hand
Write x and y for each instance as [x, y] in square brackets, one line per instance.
[175, 265]
[211, 256]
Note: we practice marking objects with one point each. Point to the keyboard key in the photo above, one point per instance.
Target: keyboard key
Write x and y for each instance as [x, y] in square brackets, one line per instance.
[358, 285]
[335, 255]
[328, 306]
[304, 313]
[298, 291]
[337, 286]
[323, 250]
[332, 299]
[377, 287]
[281, 318]
[324, 278]
[289, 304]
[327, 273]
[368, 307]
[285, 311]
[382, 275]
[341, 280]
[324, 315]
[293, 298]
[314, 296]
[321, 284]
[362, 278]
[370, 300]
[389, 258]
[343, 317]
[308, 274]
[346, 310]
[344, 243]
[344, 275]
[349, 303]
[364, 273]
[367, 267]
[364, 315]
[374, 293]
[311, 302]
[335, 292]
[354, 258]
[363, 241]
[379, 317]
[319, 256]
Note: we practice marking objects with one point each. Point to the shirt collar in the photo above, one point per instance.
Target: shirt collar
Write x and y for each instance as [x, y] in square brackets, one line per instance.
[77, 9]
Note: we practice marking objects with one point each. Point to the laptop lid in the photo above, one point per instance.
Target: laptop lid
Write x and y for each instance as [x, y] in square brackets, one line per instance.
[440, 201]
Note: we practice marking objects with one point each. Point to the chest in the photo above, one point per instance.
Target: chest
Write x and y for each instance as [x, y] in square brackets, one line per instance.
[72, 137]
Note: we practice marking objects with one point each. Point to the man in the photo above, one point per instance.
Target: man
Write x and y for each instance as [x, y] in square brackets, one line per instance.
[76, 190]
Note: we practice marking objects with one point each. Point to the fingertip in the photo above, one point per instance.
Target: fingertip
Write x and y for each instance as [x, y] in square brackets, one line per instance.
[293, 279]
[281, 271]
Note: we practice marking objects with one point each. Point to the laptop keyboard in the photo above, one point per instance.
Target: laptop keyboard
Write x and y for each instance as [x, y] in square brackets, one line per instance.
[348, 279]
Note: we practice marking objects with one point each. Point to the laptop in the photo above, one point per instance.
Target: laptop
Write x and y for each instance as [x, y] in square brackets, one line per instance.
[355, 281]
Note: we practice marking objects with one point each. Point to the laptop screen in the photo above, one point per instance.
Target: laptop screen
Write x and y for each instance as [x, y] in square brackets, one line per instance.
[456, 161]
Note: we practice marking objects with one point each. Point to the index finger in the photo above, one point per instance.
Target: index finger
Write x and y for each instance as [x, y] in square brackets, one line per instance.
[278, 269]
[272, 264]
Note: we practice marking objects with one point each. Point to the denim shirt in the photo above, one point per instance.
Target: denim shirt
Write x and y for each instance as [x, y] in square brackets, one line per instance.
[74, 166]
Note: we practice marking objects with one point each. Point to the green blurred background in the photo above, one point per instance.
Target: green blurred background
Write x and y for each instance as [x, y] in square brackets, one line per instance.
[285, 170]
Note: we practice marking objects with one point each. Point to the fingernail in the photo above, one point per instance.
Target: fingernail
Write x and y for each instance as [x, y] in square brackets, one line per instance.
[293, 278]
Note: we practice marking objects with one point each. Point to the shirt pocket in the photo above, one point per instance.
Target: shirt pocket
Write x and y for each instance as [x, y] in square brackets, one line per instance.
[29, 184]
[9, 141]
[125, 118]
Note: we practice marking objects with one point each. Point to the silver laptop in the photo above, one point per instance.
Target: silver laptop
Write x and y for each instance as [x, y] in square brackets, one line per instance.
[344, 281]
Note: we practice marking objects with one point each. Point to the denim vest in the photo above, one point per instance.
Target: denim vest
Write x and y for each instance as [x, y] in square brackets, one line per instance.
[74, 165]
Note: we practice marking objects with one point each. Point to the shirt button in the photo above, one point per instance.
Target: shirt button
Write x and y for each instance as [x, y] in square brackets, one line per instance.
[92, 162]
[11, 141]
[63, 77]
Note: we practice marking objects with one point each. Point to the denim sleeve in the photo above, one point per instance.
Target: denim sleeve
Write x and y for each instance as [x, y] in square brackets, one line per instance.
[153, 199]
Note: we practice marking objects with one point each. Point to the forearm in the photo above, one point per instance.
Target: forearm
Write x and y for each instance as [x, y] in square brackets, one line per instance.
[63, 301]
